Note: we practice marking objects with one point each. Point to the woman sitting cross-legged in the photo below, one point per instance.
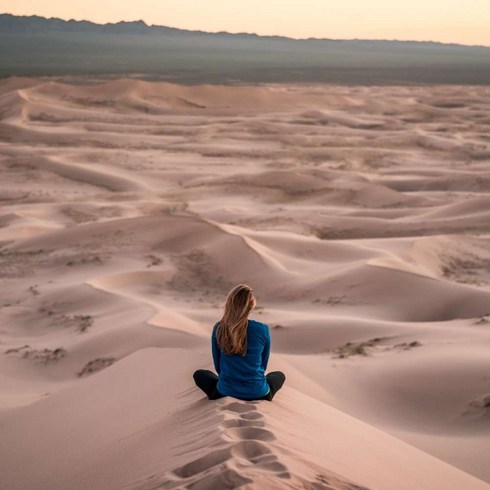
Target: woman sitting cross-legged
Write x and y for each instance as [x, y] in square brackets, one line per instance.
[240, 348]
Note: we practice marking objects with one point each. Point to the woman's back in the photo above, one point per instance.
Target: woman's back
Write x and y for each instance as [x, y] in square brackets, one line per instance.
[241, 349]
[244, 376]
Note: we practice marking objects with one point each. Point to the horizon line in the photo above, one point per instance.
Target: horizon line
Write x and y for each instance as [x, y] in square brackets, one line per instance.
[248, 33]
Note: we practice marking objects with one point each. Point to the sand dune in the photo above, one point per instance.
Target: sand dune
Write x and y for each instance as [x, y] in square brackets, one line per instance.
[359, 215]
[226, 444]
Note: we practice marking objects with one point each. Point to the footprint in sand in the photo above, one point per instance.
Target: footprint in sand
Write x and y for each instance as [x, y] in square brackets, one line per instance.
[220, 478]
[240, 407]
[260, 456]
[200, 465]
[250, 433]
[243, 422]
[246, 450]
[247, 429]
[242, 427]
[209, 472]
[226, 479]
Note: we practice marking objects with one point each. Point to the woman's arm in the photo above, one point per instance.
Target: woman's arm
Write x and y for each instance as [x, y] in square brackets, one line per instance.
[215, 349]
[267, 348]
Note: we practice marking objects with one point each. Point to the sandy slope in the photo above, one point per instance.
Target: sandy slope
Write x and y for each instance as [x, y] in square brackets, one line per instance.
[170, 437]
[359, 215]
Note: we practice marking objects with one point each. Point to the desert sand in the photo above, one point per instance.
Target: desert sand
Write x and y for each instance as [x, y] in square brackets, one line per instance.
[360, 216]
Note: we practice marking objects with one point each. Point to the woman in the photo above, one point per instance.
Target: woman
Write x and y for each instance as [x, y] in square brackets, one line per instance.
[241, 349]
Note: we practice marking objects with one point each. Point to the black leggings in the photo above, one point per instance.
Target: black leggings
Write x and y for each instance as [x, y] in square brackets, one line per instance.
[207, 381]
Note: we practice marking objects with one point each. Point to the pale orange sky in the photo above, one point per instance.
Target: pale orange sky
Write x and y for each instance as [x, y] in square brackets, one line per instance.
[459, 21]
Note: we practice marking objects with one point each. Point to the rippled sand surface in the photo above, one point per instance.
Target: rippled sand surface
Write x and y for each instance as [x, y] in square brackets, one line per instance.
[360, 216]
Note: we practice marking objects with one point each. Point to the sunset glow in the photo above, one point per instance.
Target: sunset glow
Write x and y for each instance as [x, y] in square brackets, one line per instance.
[456, 21]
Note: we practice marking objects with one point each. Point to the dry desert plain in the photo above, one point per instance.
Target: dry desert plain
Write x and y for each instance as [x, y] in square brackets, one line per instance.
[360, 216]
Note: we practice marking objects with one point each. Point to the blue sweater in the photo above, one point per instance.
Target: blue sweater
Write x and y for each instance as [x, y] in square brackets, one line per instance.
[240, 376]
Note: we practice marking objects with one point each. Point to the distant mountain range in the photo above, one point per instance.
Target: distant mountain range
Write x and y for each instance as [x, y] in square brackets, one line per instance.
[33, 45]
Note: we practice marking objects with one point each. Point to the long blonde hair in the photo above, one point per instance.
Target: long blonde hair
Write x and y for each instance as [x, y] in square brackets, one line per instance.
[231, 333]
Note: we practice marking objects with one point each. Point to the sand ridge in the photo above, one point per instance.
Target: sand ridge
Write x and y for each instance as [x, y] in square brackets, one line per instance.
[359, 215]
